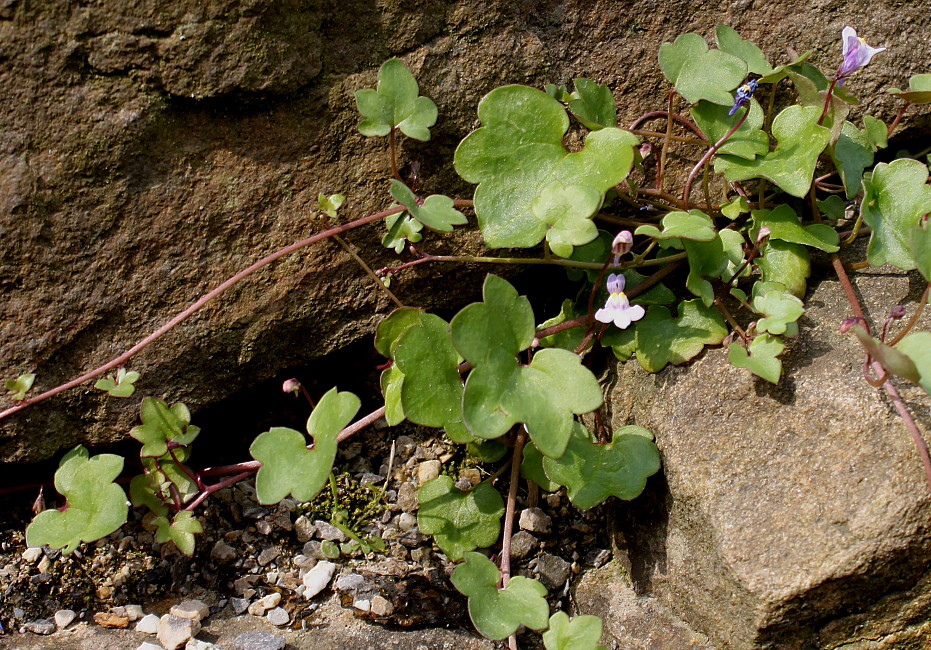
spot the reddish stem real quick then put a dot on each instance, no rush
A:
(511, 506)
(704, 159)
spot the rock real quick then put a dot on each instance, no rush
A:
(223, 553)
(197, 644)
(32, 554)
(472, 475)
(313, 549)
(193, 609)
(64, 618)
(535, 520)
(133, 612)
(239, 605)
(148, 624)
(407, 521)
(111, 620)
(258, 640)
(379, 606)
(801, 502)
(318, 578)
(268, 555)
(407, 497)
(145, 645)
(350, 582)
(304, 529)
(328, 532)
(553, 570)
(428, 470)
(522, 543)
(42, 627)
(262, 605)
(278, 616)
(175, 631)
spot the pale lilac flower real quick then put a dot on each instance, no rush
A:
(618, 309)
(621, 245)
(856, 54)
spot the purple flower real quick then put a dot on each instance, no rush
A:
(744, 93)
(618, 309)
(856, 54)
(623, 242)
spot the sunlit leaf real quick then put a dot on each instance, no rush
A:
(778, 306)
(579, 633)
(436, 211)
(395, 103)
(786, 263)
(699, 73)
(662, 339)
(730, 41)
(852, 153)
(917, 347)
(595, 106)
(161, 424)
(784, 225)
(17, 388)
(896, 197)
(748, 141)
(567, 213)
(180, 530)
(120, 385)
(919, 90)
(459, 521)
(401, 229)
(760, 357)
(694, 225)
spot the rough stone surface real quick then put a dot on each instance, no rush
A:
(150, 151)
(318, 578)
(258, 640)
(148, 624)
(175, 631)
(194, 609)
(782, 509)
(64, 618)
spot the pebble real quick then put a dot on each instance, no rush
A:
(428, 470)
(553, 570)
(380, 606)
(223, 553)
(64, 618)
(262, 605)
(197, 644)
(111, 620)
(278, 616)
(407, 521)
(407, 497)
(195, 610)
(472, 475)
(350, 582)
(145, 645)
(267, 555)
(303, 562)
(258, 640)
(304, 529)
(133, 612)
(148, 624)
(175, 631)
(535, 520)
(239, 605)
(329, 533)
(522, 543)
(313, 549)
(32, 554)
(318, 578)
(43, 626)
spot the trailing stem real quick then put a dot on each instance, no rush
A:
(704, 159)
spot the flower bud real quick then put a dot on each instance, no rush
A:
(291, 386)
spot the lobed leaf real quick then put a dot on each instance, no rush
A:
(791, 165)
(578, 633)
(395, 103)
(694, 225)
(778, 306)
(120, 385)
(748, 141)
(497, 613)
(567, 213)
(917, 347)
(730, 41)
(784, 225)
(786, 263)
(180, 530)
(759, 358)
(593, 472)
(288, 467)
(95, 505)
(162, 424)
(519, 149)
(594, 105)
(436, 211)
(17, 388)
(896, 196)
(699, 73)
(459, 521)
(919, 90)
(662, 339)
(401, 229)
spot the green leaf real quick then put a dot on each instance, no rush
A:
(531, 468)
(833, 207)
(662, 339)
(161, 424)
(95, 506)
(288, 467)
(791, 165)
(784, 225)
(786, 263)
(694, 225)
(896, 197)
(401, 229)
(706, 260)
(595, 106)
(17, 388)
(459, 521)
(499, 391)
(567, 213)
(566, 339)
(579, 633)
(329, 205)
(748, 141)
(760, 359)
(519, 150)
(488, 451)
(180, 530)
(431, 393)
(735, 208)
(435, 212)
(852, 153)
(699, 73)
(593, 472)
(876, 132)
(497, 613)
(896, 361)
(917, 347)
(921, 248)
(389, 330)
(919, 91)
(729, 41)
(119, 386)
(778, 306)
(391, 381)
(395, 103)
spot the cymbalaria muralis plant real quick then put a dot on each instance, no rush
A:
(774, 181)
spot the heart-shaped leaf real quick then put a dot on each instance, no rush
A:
(694, 225)
(662, 339)
(784, 225)
(567, 213)
(699, 73)
(435, 212)
(459, 521)
(497, 613)
(120, 385)
(595, 106)
(759, 358)
(579, 633)
(95, 506)
(791, 165)
(180, 530)
(395, 103)
(896, 197)
(161, 424)
(852, 153)
(786, 263)
(519, 150)
(288, 467)
(593, 472)
(748, 141)
(778, 306)
(729, 41)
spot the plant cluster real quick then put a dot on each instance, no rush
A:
(776, 178)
